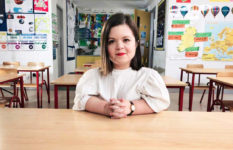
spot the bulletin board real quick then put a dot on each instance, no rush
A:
(24, 25)
(200, 30)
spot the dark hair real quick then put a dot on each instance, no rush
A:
(115, 20)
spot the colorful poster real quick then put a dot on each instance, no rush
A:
(41, 6)
(13, 42)
(42, 24)
(3, 41)
(220, 45)
(183, 1)
(19, 6)
(20, 24)
(27, 42)
(40, 42)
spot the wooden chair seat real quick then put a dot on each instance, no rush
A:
(228, 105)
(5, 85)
(27, 85)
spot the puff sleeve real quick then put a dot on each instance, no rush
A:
(86, 87)
(153, 90)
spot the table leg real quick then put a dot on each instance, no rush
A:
(209, 96)
(22, 92)
(68, 97)
(48, 85)
(181, 96)
(181, 75)
(37, 89)
(55, 96)
(191, 92)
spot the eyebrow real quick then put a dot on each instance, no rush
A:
(122, 37)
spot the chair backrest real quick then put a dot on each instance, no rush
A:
(14, 63)
(195, 66)
(225, 74)
(39, 64)
(7, 71)
(228, 66)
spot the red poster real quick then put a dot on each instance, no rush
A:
(183, 1)
(41, 6)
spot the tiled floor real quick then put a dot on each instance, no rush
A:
(32, 103)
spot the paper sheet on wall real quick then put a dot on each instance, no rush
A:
(42, 24)
(19, 6)
(20, 24)
(41, 6)
(3, 41)
(200, 31)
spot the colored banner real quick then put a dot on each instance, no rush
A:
(183, 1)
(175, 33)
(178, 26)
(41, 6)
(192, 49)
(200, 39)
(206, 34)
(191, 54)
(180, 21)
(174, 37)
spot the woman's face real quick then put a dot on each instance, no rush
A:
(121, 46)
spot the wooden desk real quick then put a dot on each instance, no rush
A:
(81, 70)
(67, 81)
(59, 129)
(14, 78)
(225, 81)
(173, 83)
(194, 71)
(35, 69)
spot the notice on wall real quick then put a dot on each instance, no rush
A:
(20, 24)
(201, 30)
(40, 42)
(3, 41)
(19, 6)
(42, 24)
(41, 6)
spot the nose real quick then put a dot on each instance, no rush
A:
(119, 45)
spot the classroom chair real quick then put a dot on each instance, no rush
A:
(6, 63)
(198, 86)
(8, 101)
(225, 104)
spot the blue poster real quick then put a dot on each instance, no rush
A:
(2, 16)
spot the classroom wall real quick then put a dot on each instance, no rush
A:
(203, 25)
(36, 56)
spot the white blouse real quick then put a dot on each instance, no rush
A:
(128, 84)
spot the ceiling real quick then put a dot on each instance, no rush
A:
(112, 4)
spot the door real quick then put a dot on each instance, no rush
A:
(60, 51)
(142, 20)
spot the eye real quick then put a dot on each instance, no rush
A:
(110, 42)
(126, 40)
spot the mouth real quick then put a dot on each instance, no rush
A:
(120, 54)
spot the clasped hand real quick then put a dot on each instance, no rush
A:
(117, 108)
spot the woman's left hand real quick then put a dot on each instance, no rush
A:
(120, 107)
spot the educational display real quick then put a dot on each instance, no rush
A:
(19, 6)
(89, 32)
(24, 26)
(41, 6)
(200, 31)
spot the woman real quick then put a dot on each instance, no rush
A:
(121, 87)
